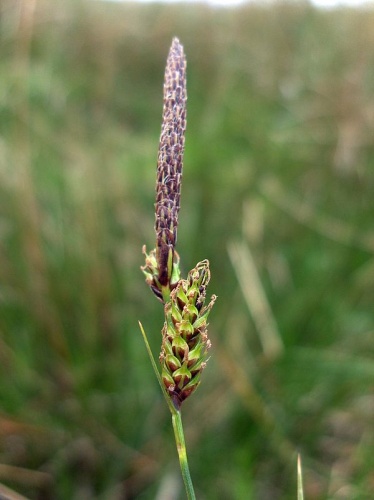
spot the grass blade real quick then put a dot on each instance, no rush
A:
(300, 490)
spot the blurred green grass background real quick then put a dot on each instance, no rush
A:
(277, 194)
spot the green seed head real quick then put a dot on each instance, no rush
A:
(185, 339)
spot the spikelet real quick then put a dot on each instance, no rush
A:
(185, 340)
(162, 264)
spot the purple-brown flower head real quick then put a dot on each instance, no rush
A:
(170, 160)
(163, 273)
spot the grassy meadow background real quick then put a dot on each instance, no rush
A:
(278, 193)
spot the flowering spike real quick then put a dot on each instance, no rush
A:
(184, 335)
(162, 265)
(187, 335)
(185, 341)
(170, 156)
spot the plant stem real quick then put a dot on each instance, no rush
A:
(300, 491)
(177, 425)
(182, 454)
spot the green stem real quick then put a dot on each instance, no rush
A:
(300, 491)
(182, 454)
(177, 425)
(154, 366)
(165, 290)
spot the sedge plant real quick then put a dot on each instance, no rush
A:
(185, 341)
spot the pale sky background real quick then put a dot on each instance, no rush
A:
(228, 3)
